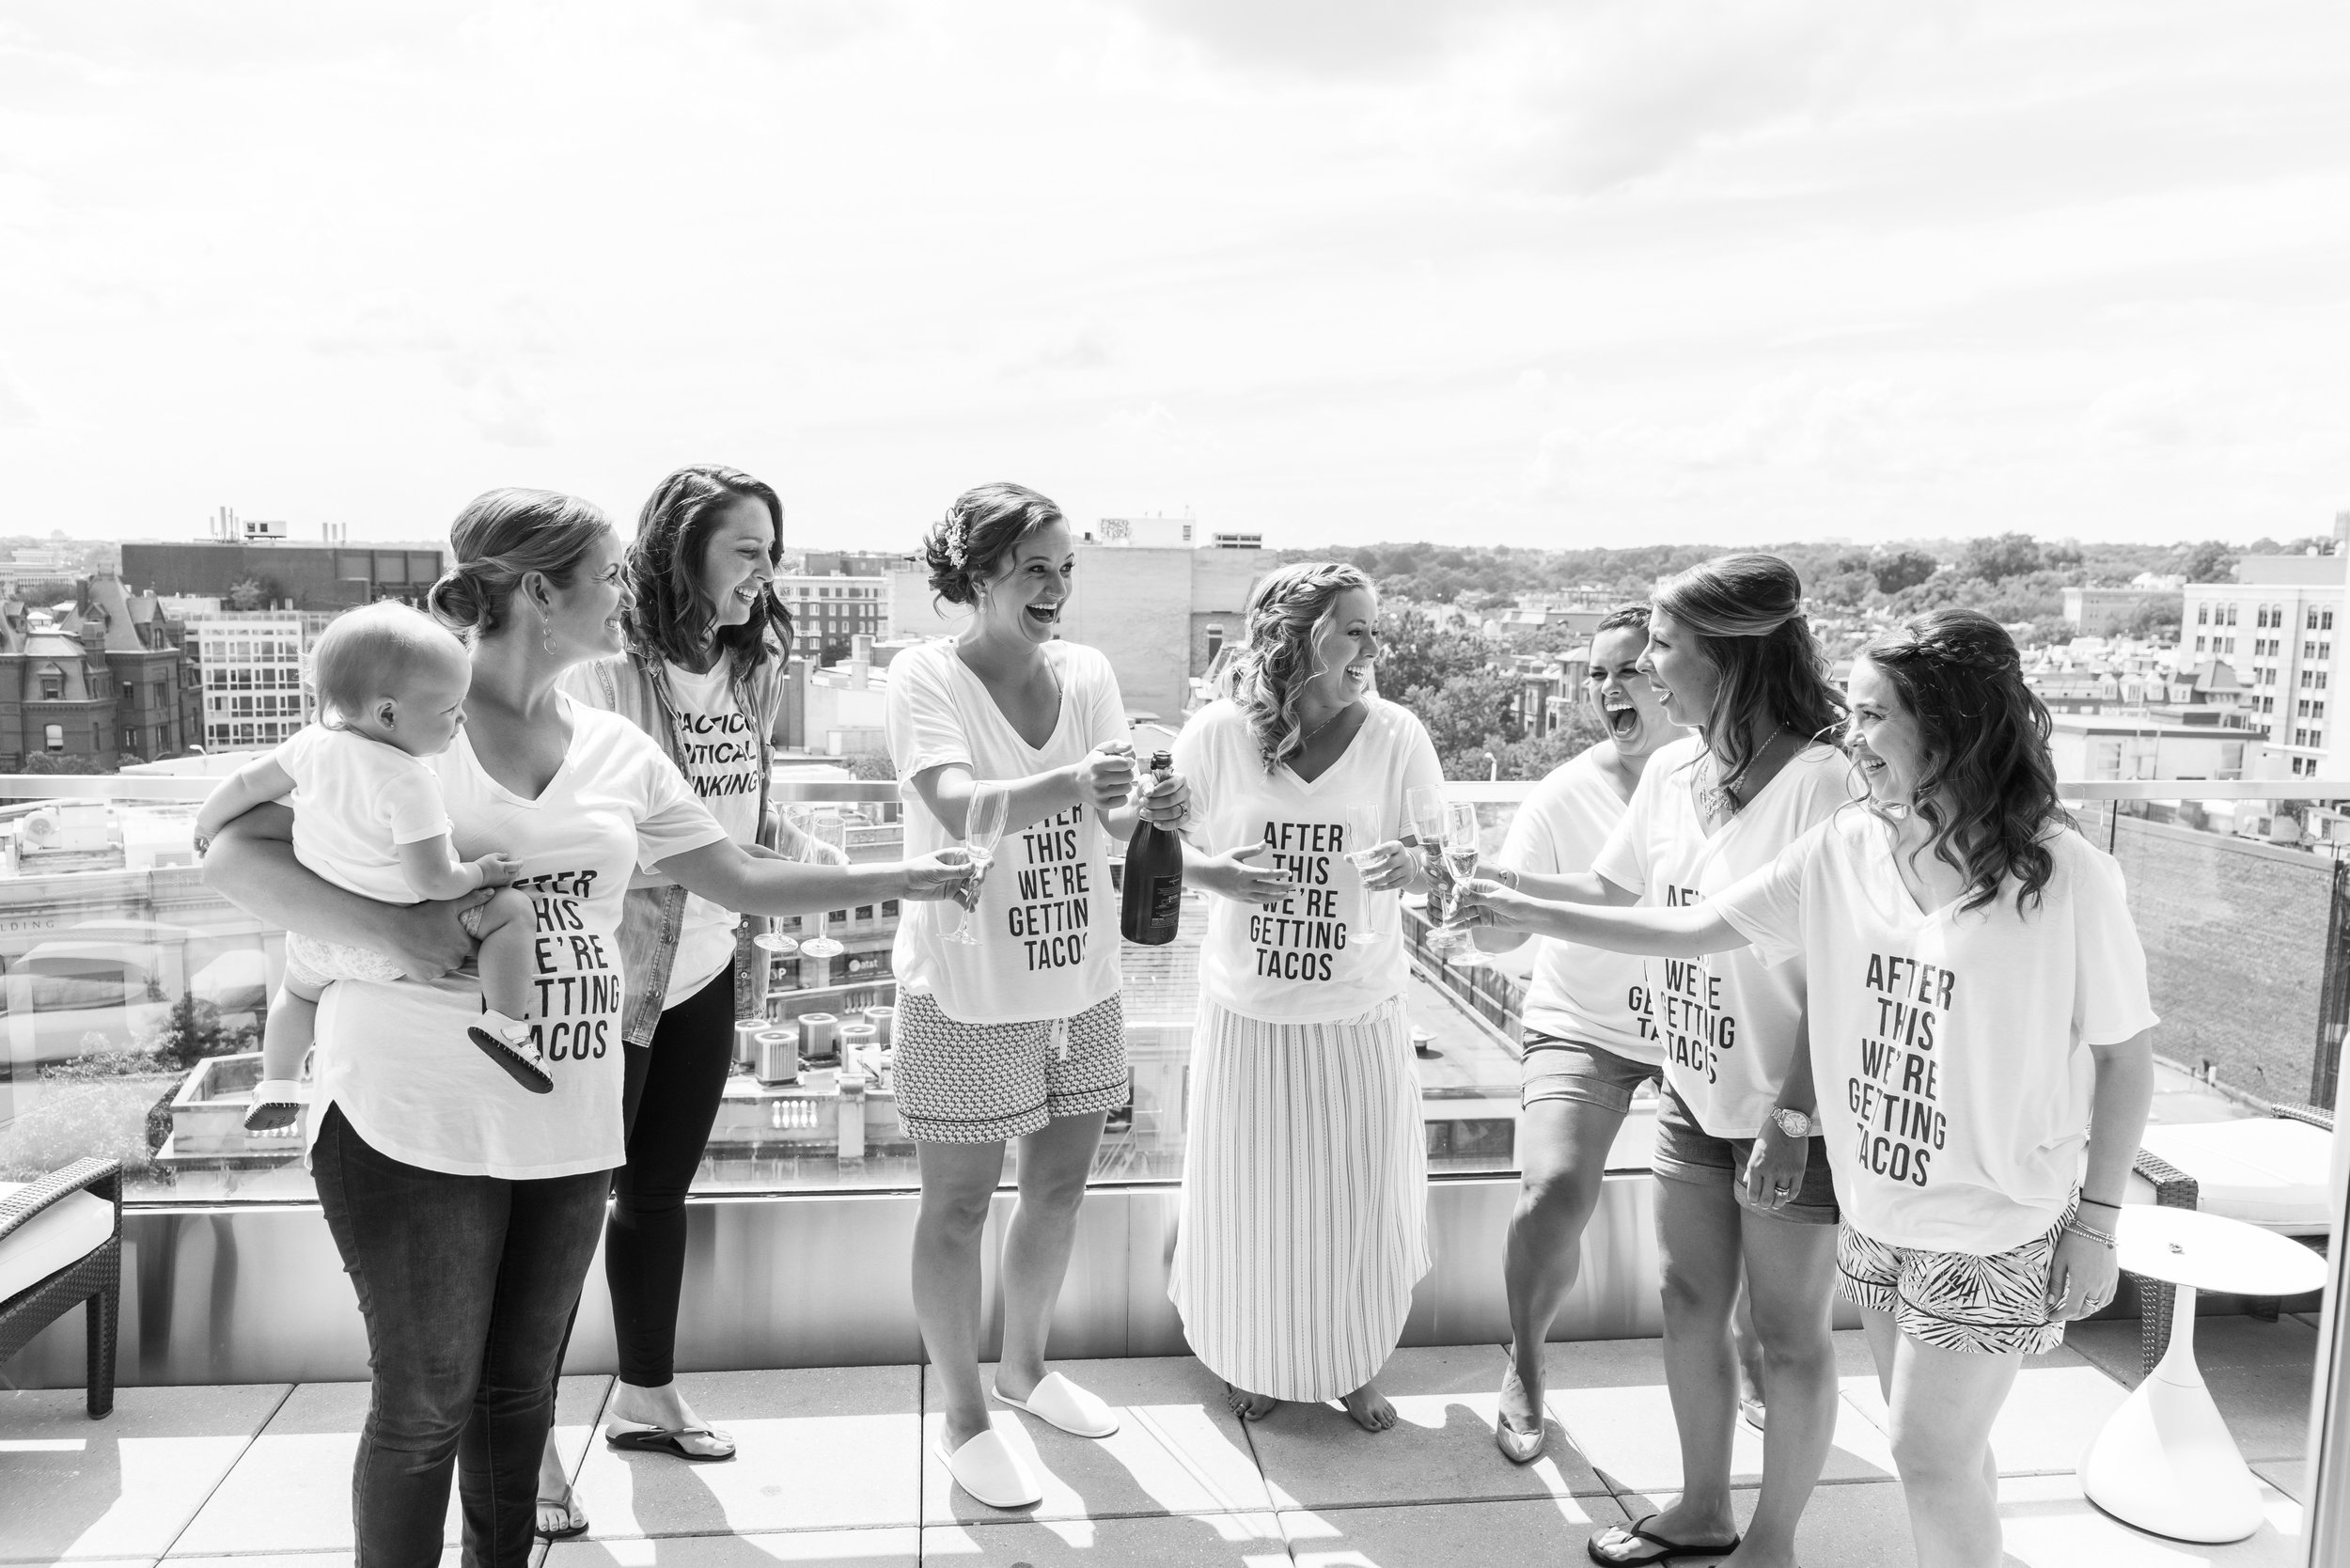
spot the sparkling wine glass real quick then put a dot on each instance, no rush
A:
(827, 832)
(1423, 814)
(1363, 853)
(1460, 864)
(982, 825)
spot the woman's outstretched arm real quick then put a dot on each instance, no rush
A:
(252, 865)
(1689, 932)
(728, 875)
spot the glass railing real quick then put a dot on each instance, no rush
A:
(131, 997)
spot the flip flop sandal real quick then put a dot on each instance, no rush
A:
(671, 1441)
(572, 1531)
(1667, 1551)
(276, 1104)
(520, 1067)
(1059, 1403)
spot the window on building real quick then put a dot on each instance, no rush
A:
(2325, 650)
(2317, 737)
(2199, 644)
(889, 909)
(2320, 680)
(2231, 615)
(52, 684)
(2324, 621)
(129, 740)
(2317, 708)
(2202, 615)
(53, 736)
(2309, 620)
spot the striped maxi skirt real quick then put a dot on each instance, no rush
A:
(1304, 1203)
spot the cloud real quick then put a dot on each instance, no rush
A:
(2152, 414)
(16, 410)
(1330, 38)
(1860, 428)
(1085, 346)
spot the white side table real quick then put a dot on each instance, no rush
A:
(2164, 1461)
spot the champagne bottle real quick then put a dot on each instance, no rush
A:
(1151, 904)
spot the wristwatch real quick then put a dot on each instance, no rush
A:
(1795, 1123)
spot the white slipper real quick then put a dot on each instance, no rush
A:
(1060, 1403)
(988, 1469)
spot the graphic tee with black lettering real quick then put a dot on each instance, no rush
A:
(1729, 1024)
(395, 1056)
(1303, 958)
(1581, 994)
(1950, 1048)
(1047, 919)
(720, 744)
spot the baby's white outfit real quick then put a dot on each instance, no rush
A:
(356, 801)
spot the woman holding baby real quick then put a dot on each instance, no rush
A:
(466, 1213)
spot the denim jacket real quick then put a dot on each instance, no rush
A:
(653, 915)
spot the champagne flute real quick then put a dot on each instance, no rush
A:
(982, 825)
(1362, 833)
(828, 831)
(1424, 816)
(1460, 864)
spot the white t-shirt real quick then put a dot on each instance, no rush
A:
(1577, 992)
(356, 801)
(1302, 959)
(1047, 921)
(395, 1056)
(1950, 1048)
(720, 744)
(1730, 1024)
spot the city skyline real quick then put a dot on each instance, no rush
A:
(1497, 273)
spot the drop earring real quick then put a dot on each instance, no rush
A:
(546, 630)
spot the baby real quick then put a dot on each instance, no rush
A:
(368, 817)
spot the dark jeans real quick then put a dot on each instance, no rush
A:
(673, 1090)
(466, 1283)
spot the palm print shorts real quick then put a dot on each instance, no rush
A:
(1989, 1305)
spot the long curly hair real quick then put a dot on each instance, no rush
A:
(1746, 613)
(673, 616)
(1989, 789)
(1269, 672)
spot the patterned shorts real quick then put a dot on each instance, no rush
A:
(313, 963)
(987, 1083)
(1989, 1306)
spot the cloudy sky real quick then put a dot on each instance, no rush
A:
(1565, 271)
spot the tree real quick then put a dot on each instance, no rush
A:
(247, 595)
(1897, 569)
(2159, 617)
(870, 765)
(2000, 556)
(2208, 562)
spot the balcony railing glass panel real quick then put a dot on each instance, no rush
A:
(131, 997)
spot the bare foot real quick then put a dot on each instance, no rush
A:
(1370, 1408)
(1521, 1406)
(1248, 1406)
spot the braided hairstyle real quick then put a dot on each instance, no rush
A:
(1989, 790)
(986, 524)
(501, 536)
(672, 616)
(1268, 675)
(1746, 613)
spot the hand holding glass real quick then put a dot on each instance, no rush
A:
(982, 825)
(1460, 864)
(1365, 854)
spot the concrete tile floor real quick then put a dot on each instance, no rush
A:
(832, 1470)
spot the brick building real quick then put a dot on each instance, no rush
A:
(304, 576)
(103, 681)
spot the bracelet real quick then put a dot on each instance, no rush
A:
(1507, 876)
(2105, 1238)
(2103, 1204)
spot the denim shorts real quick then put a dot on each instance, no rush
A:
(1687, 1153)
(1556, 1069)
